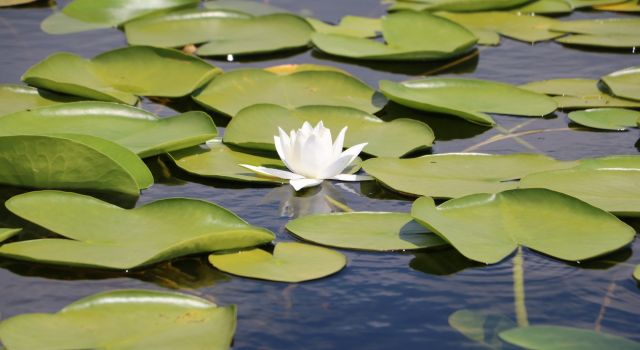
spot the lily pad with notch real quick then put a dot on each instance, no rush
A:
(125, 319)
(123, 74)
(290, 262)
(254, 127)
(140, 131)
(482, 226)
(469, 99)
(376, 231)
(103, 235)
(408, 36)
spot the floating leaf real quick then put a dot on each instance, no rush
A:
(577, 93)
(609, 32)
(624, 83)
(74, 162)
(119, 75)
(458, 174)
(15, 98)
(60, 23)
(614, 41)
(606, 118)
(482, 226)
(222, 32)
(378, 231)
(589, 3)
(520, 27)
(138, 130)
(125, 319)
(218, 160)
(290, 262)
(636, 273)
(564, 338)
(628, 6)
(6, 233)
(356, 26)
(254, 8)
(611, 188)
(235, 90)
(555, 7)
(480, 327)
(469, 99)
(7, 3)
(255, 126)
(461, 5)
(408, 36)
(106, 236)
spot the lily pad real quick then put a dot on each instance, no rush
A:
(7, 3)
(221, 32)
(628, 6)
(624, 83)
(235, 90)
(60, 23)
(217, 160)
(469, 99)
(636, 273)
(481, 327)
(590, 3)
(125, 319)
(461, 5)
(408, 36)
(577, 93)
(355, 26)
(565, 338)
(555, 7)
(606, 118)
(255, 126)
(609, 32)
(458, 174)
(614, 189)
(613, 41)
(119, 75)
(254, 8)
(138, 130)
(519, 27)
(482, 226)
(15, 98)
(290, 262)
(377, 231)
(6, 233)
(106, 236)
(74, 162)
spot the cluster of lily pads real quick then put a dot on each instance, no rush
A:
(72, 134)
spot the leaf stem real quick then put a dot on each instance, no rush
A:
(518, 289)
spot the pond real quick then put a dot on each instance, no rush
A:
(380, 300)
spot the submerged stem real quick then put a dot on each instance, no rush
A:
(345, 208)
(518, 289)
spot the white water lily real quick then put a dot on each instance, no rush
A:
(311, 156)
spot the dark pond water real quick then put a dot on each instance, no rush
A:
(380, 301)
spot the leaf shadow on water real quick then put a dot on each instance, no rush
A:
(259, 57)
(466, 63)
(444, 127)
(186, 104)
(375, 190)
(442, 262)
(184, 273)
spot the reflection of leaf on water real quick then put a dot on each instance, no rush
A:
(481, 327)
(186, 273)
(318, 200)
(441, 262)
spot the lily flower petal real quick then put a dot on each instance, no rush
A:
(281, 174)
(337, 146)
(303, 183)
(346, 158)
(352, 177)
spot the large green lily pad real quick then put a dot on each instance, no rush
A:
(355, 26)
(458, 174)
(74, 162)
(106, 236)
(457, 5)
(290, 262)
(119, 75)
(125, 319)
(138, 130)
(618, 119)
(482, 226)
(15, 98)
(519, 27)
(555, 7)
(565, 338)
(255, 126)
(577, 93)
(235, 90)
(377, 231)
(217, 160)
(608, 32)
(624, 83)
(222, 32)
(255, 8)
(611, 188)
(469, 99)
(83, 15)
(408, 36)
